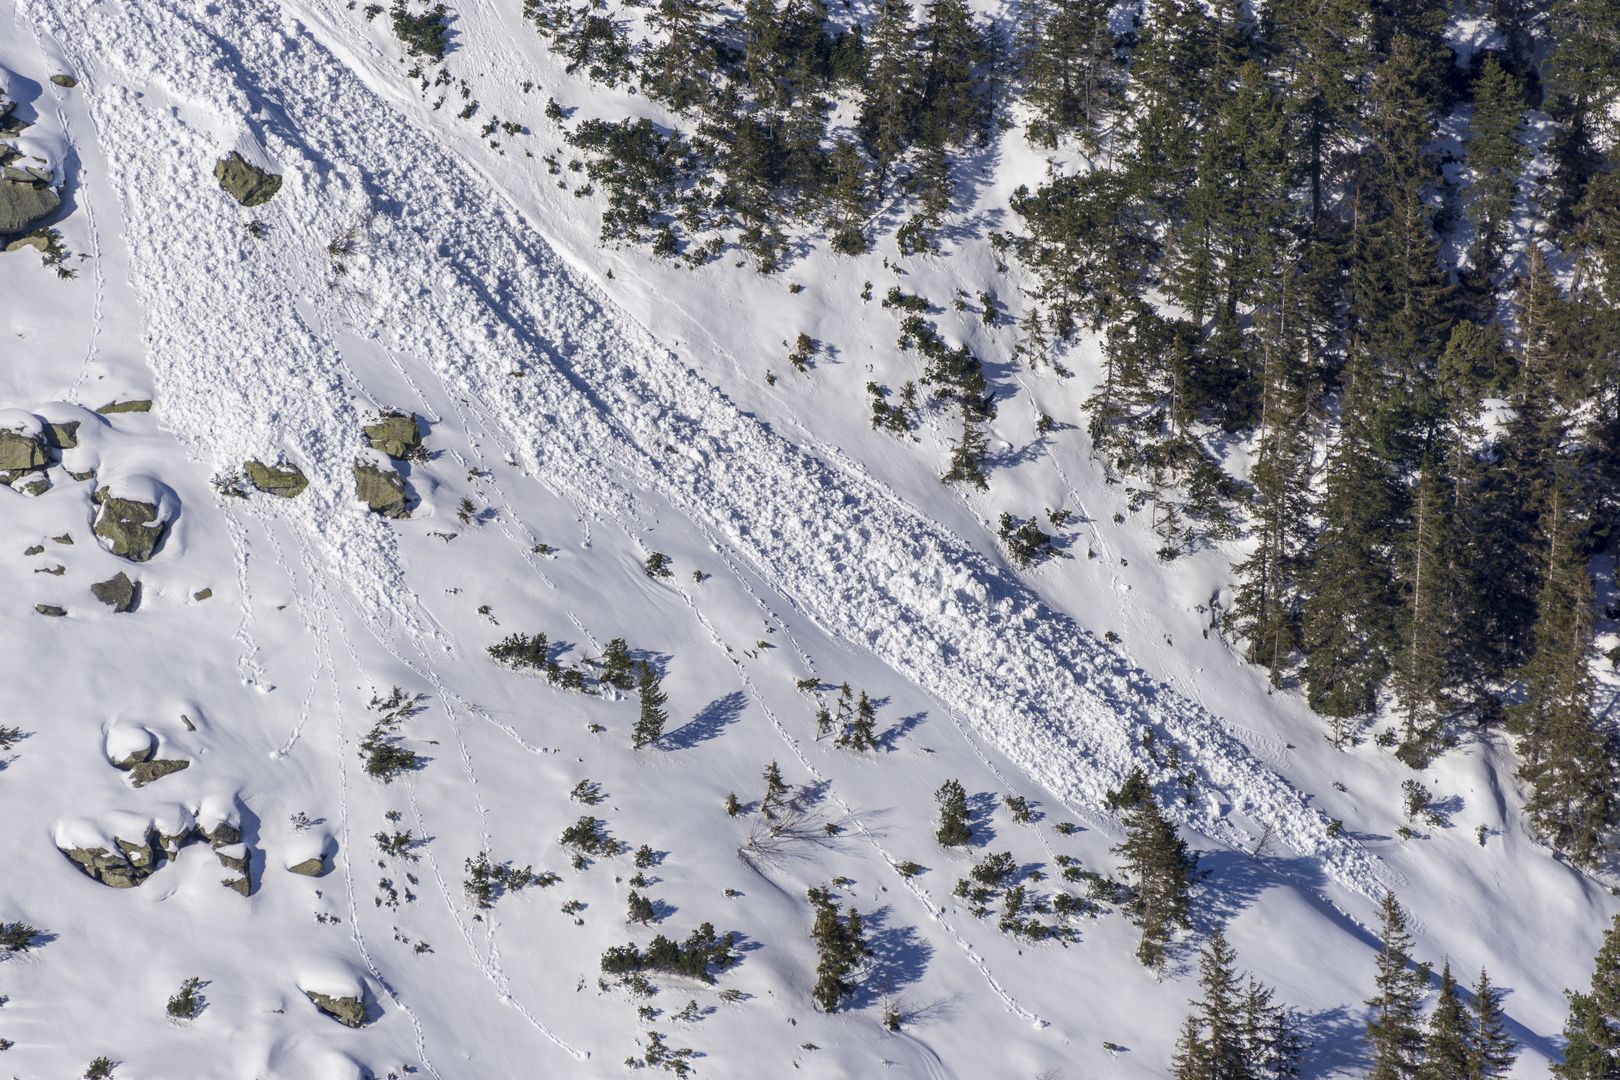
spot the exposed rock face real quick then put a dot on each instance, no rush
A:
(288, 481)
(348, 1011)
(145, 772)
(135, 405)
(131, 529)
(395, 434)
(63, 436)
(247, 183)
(25, 199)
(50, 609)
(117, 592)
(314, 866)
(20, 453)
(380, 489)
(124, 868)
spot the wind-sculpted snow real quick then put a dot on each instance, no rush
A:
(245, 346)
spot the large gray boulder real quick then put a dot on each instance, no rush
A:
(117, 592)
(396, 434)
(130, 528)
(348, 1011)
(381, 489)
(247, 183)
(21, 452)
(287, 481)
(24, 200)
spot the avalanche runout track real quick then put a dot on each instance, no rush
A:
(246, 363)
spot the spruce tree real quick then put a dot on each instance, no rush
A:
(775, 790)
(1491, 1050)
(953, 830)
(1495, 159)
(1566, 754)
(1394, 1031)
(888, 100)
(1160, 869)
(1446, 1046)
(1592, 1031)
(649, 726)
(971, 449)
(1070, 71)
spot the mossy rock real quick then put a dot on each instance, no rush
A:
(396, 434)
(34, 549)
(20, 453)
(247, 183)
(34, 488)
(202, 594)
(24, 199)
(382, 490)
(314, 866)
(64, 80)
(287, 481)
(51, 610)
(39, 243)
(348, 1011)
(124, 868)
(117, 592)
(222, 835)
(233, 857)
(135, 405)
(64, 436)
(146, 772)
(131, 528)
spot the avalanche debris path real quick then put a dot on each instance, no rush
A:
(604, 410)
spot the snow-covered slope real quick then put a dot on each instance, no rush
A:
(609, 408)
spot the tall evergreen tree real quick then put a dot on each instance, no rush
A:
(1491, 1050)
(1592, 1031)
(649, 726)
(1394, 1031)
(888, 101)
(1446, 1047)
(1160, 869)
(1070, 68)
(1495, 159)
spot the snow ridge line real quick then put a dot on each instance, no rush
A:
(483, 294)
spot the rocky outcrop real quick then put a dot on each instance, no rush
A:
(396, 434)
(348, 1011)
(314, 866)
(381, 489)
(124, 866)
(131, 529)
(287, 481)
(50, 609)
(133, 405)
(20, 453)
(25, 199)
(117, 592)
(247, 183)
(145, 772)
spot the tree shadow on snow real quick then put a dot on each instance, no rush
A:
(899, 958)
(710, 722)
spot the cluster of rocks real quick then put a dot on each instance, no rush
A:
(393, 436)
(130, 861)
(28, 183)
(28, 447)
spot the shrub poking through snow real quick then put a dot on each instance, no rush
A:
(698, 957)
(384, 756)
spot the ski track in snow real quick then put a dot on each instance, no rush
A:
(240, 371)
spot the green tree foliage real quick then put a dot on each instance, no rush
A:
(1395, 1039)
(649, 727)
(1159, 867)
